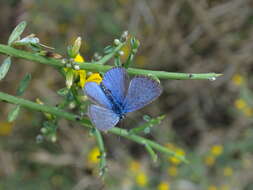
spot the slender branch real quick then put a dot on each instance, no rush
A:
(102, 160)
(99, 67)
(86, 123)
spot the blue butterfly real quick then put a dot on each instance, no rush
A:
(116, 96)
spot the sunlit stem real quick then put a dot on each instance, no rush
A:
(86, 122)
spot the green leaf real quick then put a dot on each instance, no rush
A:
(23, 84)
(15, 35)
(63, 92)
(108, 49)
(4, 68)
(13, 114)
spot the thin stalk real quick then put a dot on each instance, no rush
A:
(102, 158)
(99, 67)
(85, 122)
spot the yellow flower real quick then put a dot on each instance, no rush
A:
(173, 171)
(79, 59)
(216, 150)
(163, 186)
(209, 160)
(248, 111)
(83, 78)
(94, 77)
(224, 187)
(141, 179)
(174, 159)
(228, 171)
(5, 128)
(134, 166)
(240, 104)
(93, 156)
(212, 187)
(238, 79)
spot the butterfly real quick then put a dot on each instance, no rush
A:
(116, 96)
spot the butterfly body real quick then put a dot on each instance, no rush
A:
(116, 96)
(117, 107)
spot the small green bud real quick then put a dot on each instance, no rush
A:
(72, 105)
(43, 130)
(69, 78)
(76, 67)
(76, 47)
(124, 36)
(121, 53)
(134, 43)
(54, 138)
(116, 42)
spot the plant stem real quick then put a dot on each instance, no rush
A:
(99, 67)
(100, 142)
(85, 122)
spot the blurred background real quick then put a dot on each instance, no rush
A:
(208, 121)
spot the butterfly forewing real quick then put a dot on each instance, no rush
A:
(102, 118)
(116, 81)
(142, 91)
(97, 95)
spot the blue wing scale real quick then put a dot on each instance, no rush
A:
(97, 95)
(142, 91)
(116, 81)
(102, 118)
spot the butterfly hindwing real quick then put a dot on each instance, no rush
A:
(102, 118)
(142, 91)
(116, 81)
(97, 95)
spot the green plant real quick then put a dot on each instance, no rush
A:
(74, 71)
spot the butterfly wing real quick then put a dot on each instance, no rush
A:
(97, 95)
(142, 91)
(102, 118)
(116, 81)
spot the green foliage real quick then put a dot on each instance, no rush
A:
(23, 84)
(4, 68)
(16, 33)
(13, 114)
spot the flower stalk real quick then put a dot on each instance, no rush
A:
(99, 66)
(86, 123)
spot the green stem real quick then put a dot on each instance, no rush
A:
(86, 123)
(43, 108)
(99, 67)
(100, 142)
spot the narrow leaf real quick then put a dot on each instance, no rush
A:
(15, 35)
(13, 113)
(23, 84)
(63, 91)
(4, 68)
